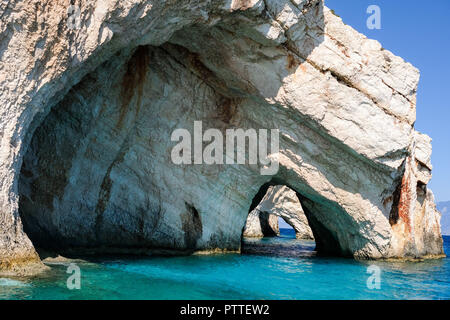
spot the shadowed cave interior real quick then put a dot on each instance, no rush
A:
(97, 177)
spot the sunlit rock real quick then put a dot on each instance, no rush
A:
(279, 201)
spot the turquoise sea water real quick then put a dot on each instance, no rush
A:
(280, 268)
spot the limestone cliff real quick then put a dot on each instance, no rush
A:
(87, 110)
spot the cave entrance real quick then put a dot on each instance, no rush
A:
(308, 217)
(279, 209)
(97, 174)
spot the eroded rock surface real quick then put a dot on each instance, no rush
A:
(279, 201)
(261, 224)
(89, 112)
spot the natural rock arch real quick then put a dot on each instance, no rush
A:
(348, 145)
(278, 202)
(330, 231)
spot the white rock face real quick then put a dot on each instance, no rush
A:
(279, 201)
(89, 112)
(261, 224)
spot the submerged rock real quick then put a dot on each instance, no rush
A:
(87, 112)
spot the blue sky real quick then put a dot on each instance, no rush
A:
(419, 32)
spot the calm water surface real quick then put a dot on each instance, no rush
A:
(280, 268)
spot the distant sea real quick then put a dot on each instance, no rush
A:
(272, 268)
